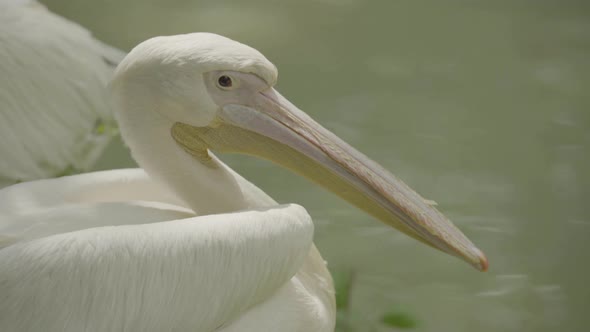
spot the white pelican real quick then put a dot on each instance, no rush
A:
(55, 113)
(191, 245)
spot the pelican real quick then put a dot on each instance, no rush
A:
(55, 114)
(186, 243)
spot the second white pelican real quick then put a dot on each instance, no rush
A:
(55, 113)
(198, 248)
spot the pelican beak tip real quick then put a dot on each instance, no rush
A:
(481, 263)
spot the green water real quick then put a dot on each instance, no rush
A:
(482, 106)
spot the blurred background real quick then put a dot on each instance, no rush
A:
(482, 106)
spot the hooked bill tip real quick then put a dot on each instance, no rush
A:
(483, 262)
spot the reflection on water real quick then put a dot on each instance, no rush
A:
(480, 105)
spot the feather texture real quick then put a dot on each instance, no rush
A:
(135, 261)
(55, 114)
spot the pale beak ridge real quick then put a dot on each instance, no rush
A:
(269, 126)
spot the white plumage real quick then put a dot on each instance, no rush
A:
(191, 245)
(160, 269)
(55, 114)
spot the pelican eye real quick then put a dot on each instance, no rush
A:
(224, 81)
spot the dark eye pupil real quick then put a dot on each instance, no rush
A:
(224, 81)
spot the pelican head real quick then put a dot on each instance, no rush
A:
(215, 94)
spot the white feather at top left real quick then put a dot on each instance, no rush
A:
(55, 113)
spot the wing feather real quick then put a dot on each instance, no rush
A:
(79, 260)
(55, 113)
